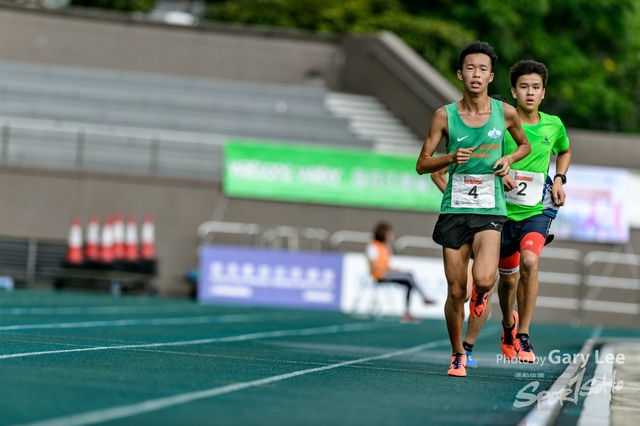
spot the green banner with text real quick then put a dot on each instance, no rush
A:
(327, 176)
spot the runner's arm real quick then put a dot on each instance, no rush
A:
(512, 123)
(427, 163)
(562, 166)
(440, 179)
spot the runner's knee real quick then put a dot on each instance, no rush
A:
(485, 283)
(529, 263)
(509, 281)
(457, 292)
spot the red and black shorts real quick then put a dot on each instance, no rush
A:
(525, 235)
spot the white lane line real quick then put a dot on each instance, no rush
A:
(596, 410)
(597, 331)
(91, 310)
(244, 358)
(146, 321)
(124, 411)
(547, 410)
(243, 337)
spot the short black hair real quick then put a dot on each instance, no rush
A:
(526, 67)
(478, 47)
(500, 98)
(380, 231)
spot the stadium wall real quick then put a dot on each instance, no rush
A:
(385, 67)
(39, 203)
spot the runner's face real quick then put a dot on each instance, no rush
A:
(529, 92)
(476, 73)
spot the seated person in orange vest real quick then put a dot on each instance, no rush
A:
(379, 253)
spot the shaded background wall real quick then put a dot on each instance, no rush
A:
(115, 41)
(379, 65)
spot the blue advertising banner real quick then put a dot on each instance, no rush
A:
(257, 276)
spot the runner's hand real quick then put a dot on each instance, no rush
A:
(503, 165)
(462, 155)
(558, 193)
(509, 183)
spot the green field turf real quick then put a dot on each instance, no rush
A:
(79, 358)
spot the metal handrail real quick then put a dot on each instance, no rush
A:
(562, 253)
(590, 258)
(265, 236)
(291, 234)
(215, 227)
(576, 278)
(340, 237)
(91, 129)
(415, 241)
(611, 257)
(316, 234)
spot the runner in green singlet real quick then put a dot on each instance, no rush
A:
(473, 208)
(529, 212)
(474, 324)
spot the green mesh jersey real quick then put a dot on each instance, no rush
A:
(546, 137)
(472, 187)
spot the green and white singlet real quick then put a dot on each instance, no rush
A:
(546, 137)
(473, 188)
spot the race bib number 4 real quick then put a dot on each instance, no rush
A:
(473, 191)
(528, 191)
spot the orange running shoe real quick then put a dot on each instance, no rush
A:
(524, 348)
(507, 342)
(458, 365)
(477, 303)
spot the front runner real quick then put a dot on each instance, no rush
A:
(474, 323)
(473, 207)
(523, 235)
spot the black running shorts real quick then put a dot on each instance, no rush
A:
(455, 230)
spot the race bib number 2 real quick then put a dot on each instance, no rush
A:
(473, 191)
(529, 189)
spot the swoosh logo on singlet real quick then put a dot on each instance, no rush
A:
(462, 138)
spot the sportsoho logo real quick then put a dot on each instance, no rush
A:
(576, 388)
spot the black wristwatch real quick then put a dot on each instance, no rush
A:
(563, 177)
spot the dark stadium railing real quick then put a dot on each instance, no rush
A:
(577, 282)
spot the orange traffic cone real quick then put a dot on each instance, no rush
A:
(106, 249)
(92, 247)
(74, 242)
(118, 237)
(148, 238)
(131, 240)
